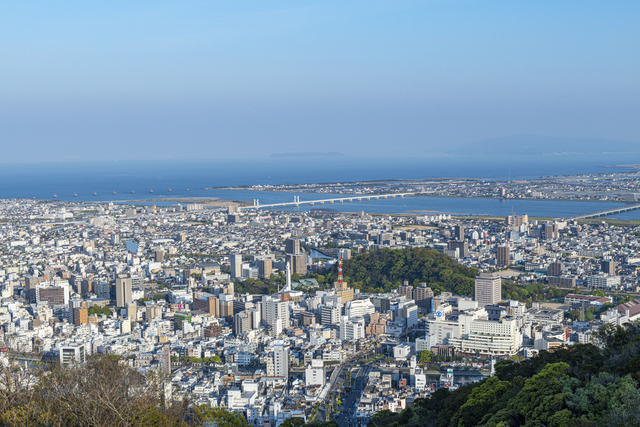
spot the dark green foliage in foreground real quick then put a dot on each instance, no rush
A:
(385, 269)
(583, 385)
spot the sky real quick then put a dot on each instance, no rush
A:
(207, 79)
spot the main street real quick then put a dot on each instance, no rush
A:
(345, 418)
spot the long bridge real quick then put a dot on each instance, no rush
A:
(607, 212)
(357, 198)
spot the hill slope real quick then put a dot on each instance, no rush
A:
(385, 269)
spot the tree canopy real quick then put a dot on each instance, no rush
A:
(582, 385)
(383, 270)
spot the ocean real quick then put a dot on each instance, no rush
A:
(189, 178)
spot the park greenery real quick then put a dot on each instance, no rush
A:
(97, 310)
(582, 385)
(386, 269)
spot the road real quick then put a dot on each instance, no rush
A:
(338, 374)
(345, 417)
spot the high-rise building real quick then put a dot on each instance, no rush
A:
(159, 255)
(292, 246)
(422, 296)
(298, 263)
(236, 265)
(241, 323)
(265, 268)
(461, 245)
(555, 269)
(123, 291)
(329, 315)
(502, 256)
(80, 316)
(274, 309)
(206, 302)
(458, 232)
(488, 289)
(351, 329)
(102, 290)
(608, 267)
(280, 361)
(406, 290)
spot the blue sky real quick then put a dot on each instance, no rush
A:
(156, 79)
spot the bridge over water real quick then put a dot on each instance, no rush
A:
(297, 202)
(606, 212)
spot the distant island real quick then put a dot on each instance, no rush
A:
(308, 154)
(549, 145)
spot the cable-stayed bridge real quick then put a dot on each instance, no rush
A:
(356, 198)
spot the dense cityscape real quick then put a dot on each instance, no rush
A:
(278, 315)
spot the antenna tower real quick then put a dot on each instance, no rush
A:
(340, 270)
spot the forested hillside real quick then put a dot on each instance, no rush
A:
(583, 385)
(385, 269)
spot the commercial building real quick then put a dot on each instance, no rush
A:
(488, 289)
(265, 268)
(503, 254)
(123, 291)
(236, 266)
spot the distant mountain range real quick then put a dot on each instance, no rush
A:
(537, 144)
(309, 154)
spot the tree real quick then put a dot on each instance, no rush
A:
(219, 417)
(425, 356)
(293, 422)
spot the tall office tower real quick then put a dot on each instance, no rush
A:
(298, 263)
(241, 323)
(423, 296)
(502, 256)
(488, 289)
(406, 290)
(555, 269)
(292, 246)
(159, 255)
(458, 232)
(102, 290)
(461, 245)
(280, 361)
(274, 309)
(236, 265)
(73, 304)
(329, 315)
(608, 267)
(123, 291)
(341, 288)
(265, 268)
(550, 231)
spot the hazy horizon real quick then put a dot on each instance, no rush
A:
(157, 80)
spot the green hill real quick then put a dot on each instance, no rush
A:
(385, 269)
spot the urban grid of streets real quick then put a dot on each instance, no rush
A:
(182, 288)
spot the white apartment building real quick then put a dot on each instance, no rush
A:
(273, 309)
(351, 329)
(603, 281)
(314, 373)
(359, 308)
(490, 338)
